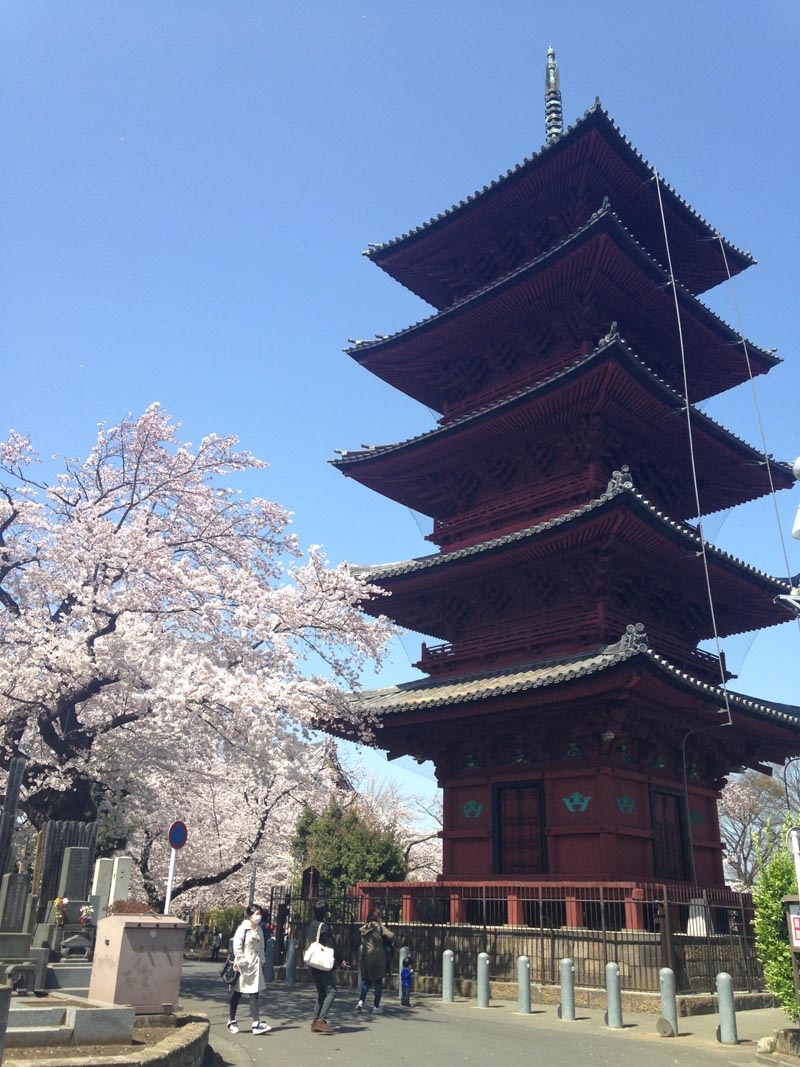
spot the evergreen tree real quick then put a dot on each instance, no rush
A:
(776, 879)
(346, 847)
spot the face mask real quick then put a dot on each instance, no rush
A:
(256, 918)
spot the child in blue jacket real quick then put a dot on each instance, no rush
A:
(406, 981)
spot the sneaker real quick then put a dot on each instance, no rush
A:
(322, 1026)
(261, 1028)
(377, 1011)
(360, 1005)
(233, 1026)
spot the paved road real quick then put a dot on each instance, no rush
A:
(432, 1034)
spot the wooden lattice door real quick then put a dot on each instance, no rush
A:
(519, 843)
(669, 838)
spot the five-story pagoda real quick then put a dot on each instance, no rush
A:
(576, 729)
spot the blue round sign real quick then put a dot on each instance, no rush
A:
(178, 834)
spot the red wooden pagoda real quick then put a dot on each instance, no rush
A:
(576, 729)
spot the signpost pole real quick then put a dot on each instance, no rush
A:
(177, 839)
(170, 879)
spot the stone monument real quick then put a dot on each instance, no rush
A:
(8, 819)
(101, 886)
(53, 842)
(120, 879)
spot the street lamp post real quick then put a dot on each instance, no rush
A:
(793, 759)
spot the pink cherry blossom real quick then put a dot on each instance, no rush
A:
(167, 649)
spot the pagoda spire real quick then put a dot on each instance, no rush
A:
(554, 119)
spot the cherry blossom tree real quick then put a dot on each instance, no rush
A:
(166, 647)
(751, 811)
(415, 820)
(240, 829)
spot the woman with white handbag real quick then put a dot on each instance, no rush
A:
(323, 979)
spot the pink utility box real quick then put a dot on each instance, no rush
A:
(137, 961)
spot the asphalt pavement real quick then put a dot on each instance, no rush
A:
(433, 1033)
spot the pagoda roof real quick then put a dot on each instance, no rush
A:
(747, 594)
(434, 694)
(730, 470)
(592, 156)
(434, 360)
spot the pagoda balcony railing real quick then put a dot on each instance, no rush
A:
(564, 630)
(528, 508)
(508, 643)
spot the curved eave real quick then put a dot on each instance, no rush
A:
(436, 695)
(409, 358)
(407, 578)
(401, 471)
(700, 267)
(782, 714)
(433, 694)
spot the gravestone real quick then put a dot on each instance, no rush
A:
(121, 879)
(52, 842)
(101, 887)
(31, 911)
(95, 915)
(13, 900)
(74, 879)
(8, 820)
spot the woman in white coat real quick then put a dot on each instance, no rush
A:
(248, 959)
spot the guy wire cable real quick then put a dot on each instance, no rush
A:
(757, 406)
(674, 284)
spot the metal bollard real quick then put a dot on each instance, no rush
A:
(726, 1031)
(291, 962)
(448, 982)
(667, 1025)
(404, 951)
(483, 979)
(524, 985)
(566, 1009)
(614, 1011)
(269, 960)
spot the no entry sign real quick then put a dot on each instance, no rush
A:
(178, 834)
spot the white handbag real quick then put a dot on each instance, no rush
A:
(318, 956)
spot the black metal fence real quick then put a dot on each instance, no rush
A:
(696, 932)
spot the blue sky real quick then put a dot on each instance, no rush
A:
(186, 189)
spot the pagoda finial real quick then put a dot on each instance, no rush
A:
(553, 117)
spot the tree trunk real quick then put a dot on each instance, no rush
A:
(77, 804)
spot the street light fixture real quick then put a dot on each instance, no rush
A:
(790, 600)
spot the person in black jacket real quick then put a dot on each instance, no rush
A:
(324, 980)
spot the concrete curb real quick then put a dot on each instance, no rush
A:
(782, 1049)
(182, 1046)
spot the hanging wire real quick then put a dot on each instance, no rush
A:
(703, 553)
(757, 406)
(416, 519)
